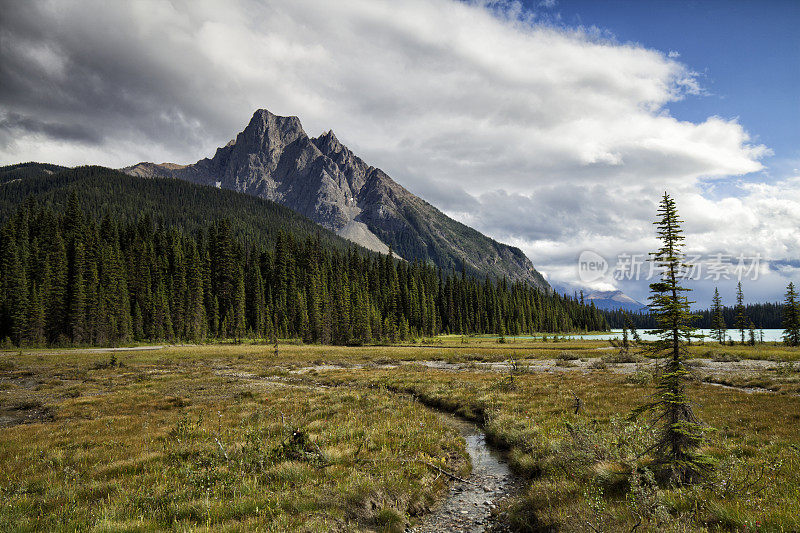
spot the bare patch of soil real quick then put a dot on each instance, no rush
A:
(29, 412)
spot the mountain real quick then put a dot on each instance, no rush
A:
(175, 203)
(607, 300)
(322, 179)
(613, 300)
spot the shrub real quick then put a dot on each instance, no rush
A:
(566, 355)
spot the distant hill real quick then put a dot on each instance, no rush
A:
(605, 300)
(172, 202)
(320, 178)
(608, 300)
(27, 170)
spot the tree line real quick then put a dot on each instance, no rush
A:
(742, 319)
(72, 276)
(767, 315)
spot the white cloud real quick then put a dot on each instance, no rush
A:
(553, 139)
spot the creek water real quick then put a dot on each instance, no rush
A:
(468, 506)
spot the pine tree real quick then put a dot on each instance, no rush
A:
(224, 267)
(17, 297)
(95, 312)
(56, 309)
(255, 296)
(77, 296)
(717, 320)
(138, 322)
(196, 324)
(362, 330)
(676, 448)
(635, 334)
(239, 308)
(214, 322)
(742, 321)
(791, 317)
(36, 318)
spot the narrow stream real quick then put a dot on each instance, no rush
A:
(467, 506)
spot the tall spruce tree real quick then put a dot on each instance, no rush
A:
(77, 296)
(791, 317)
(676, 451)
(239, 308)
(718, 327)
(196, 325)
(742, 322)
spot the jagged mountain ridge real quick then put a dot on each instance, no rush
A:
(321, 178)
(606, 300)
(614, 300)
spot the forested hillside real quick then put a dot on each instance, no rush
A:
(27, 170)
(168, 202)
(92, 256)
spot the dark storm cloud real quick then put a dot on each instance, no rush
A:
(78, 72)
(14, 124)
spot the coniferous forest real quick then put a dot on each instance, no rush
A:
(77, 276)
(763, 315)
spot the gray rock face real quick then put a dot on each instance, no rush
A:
(322, 179)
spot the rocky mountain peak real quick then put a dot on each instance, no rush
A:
(267, 130)
(328, 144)
(321, 178)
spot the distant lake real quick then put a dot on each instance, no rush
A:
(770, 335)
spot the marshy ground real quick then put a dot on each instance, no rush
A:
(316, 438)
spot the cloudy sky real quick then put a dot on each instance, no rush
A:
(550, 125)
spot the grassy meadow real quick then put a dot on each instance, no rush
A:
(230, 437)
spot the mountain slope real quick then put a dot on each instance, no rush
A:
(614, 300)
(322, 179)
(27, 170)
(606, 300)
(175, 203)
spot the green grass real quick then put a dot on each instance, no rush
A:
(156, 446)
(229, 438)
(766, 351)
(580, 468)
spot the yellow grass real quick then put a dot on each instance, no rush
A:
(201, 438)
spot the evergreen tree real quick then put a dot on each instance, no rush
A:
(239, 308)
(138, 323)
(255, 296)
(36, 319)
(742, 322)
(676, 448)
(717, 320)
(17, 298)
(791, 317)
(629, 323)
(77, 296)
(55, 303)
